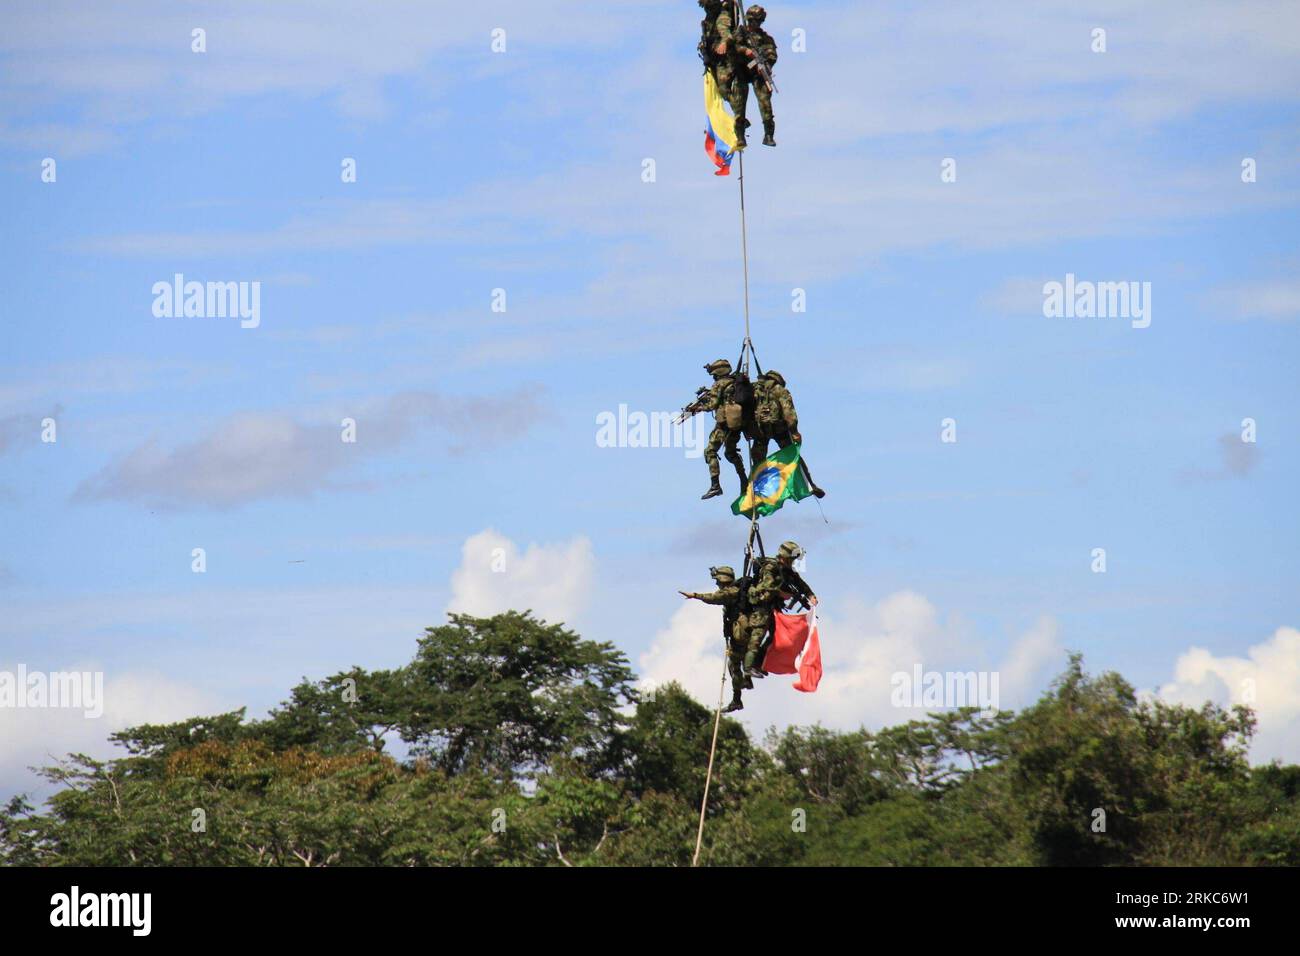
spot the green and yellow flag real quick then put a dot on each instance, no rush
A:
(773, 481)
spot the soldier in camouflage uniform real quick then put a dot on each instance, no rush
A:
(728, 596)
(716, 402)
(756, 40)
(775, 581)
(775, 419)
(714, 62)
(732, 59)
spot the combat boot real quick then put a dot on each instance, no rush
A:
(769, 134)
(734, 706)
(715, 489)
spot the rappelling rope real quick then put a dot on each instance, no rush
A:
(722, 691)
(744, 241)
(747, 345)
(708, 776)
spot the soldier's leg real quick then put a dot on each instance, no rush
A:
(739, 103)
(756, 635)
(735, 667)
(725, 77)
(758, 449)
(716, 438)
(733, 455)
(765, 108)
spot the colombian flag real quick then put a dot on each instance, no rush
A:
(721, 130)
(773, 481)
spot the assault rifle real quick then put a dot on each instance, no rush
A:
(700, 404)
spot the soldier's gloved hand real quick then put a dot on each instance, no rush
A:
(813, 600)
(721, 48)
(685, 595)
(794, 433)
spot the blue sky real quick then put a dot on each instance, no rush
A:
(522, 171)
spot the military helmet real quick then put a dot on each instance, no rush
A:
(755, 14)
(718, 367)
(723, 573)
(775, 376)
(789, 549)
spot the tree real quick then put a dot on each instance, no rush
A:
(530, 748)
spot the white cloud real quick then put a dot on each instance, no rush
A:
(688, 651)
(1018, 296)
(1276, 300)
(253, 456)
(1031, 658)
(33, 737)
(122, 67)
(552, 580)
(1267, 679)
(105, 376)
(862, 648)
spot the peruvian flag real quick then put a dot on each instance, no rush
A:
(793, 634)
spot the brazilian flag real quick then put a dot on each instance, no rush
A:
(773, 481)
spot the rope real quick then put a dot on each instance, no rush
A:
(708, 776)
(744, 244)
(746, 347)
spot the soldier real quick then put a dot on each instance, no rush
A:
(775, 419)
(758, 41)
(716, 401)
(775, 582)
(729, 597)
(715, 63)
(733, 57)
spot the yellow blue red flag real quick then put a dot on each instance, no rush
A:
(720, 135)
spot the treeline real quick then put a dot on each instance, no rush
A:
(529, 746)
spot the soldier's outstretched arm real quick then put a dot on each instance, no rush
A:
(721, 596)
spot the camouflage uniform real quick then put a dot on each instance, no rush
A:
(731, 66)
(760, 41)
(728, 596)
(775, 580)
(751, 632)
(714, 62)
(721, 435)
(776, 420)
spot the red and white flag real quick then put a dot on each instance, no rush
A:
(794, 634)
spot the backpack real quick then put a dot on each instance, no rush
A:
(756, 568)
(738, 400)
(767, 409)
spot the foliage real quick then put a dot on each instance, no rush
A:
(527, 746)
